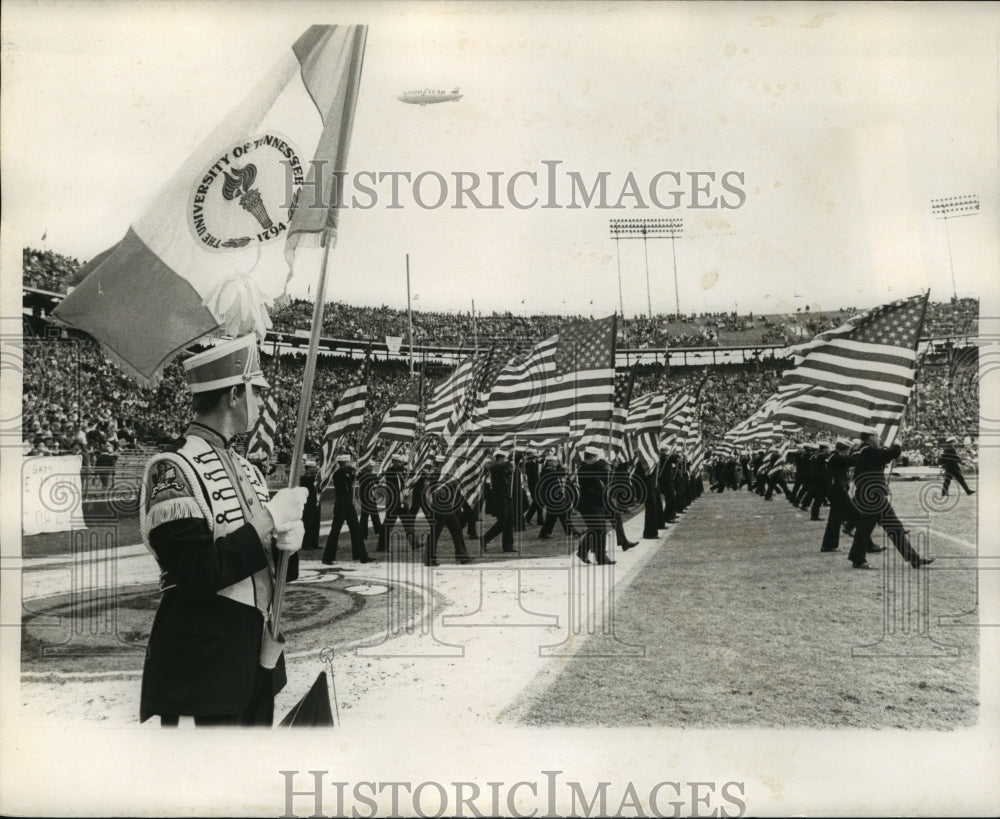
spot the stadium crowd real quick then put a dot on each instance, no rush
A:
(75, 399)
(46, 270)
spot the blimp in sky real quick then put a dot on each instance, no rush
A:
(429, 96)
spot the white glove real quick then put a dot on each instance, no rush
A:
(289, 538)
(287, 506)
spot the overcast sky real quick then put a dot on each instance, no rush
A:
(843, 122)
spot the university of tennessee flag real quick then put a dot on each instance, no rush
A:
(214, 245)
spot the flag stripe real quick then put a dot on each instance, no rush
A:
(112, 305)
(446, 395)
(855, 376)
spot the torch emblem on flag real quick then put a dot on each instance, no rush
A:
(239, 184)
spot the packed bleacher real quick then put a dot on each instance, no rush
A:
(47, 270)
(77, 400)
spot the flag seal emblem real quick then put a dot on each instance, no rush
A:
(242, 198)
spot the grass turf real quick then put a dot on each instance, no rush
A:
(746, 624)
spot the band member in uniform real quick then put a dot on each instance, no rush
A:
(206, 515)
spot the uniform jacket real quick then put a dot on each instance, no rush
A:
(216, 578)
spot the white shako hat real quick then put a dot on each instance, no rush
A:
(232, 362)
(593, 450)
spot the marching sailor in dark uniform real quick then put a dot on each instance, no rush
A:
(593, 506)
(501, 492)
(395, 505)
(343, 479)
(838, 471)
(871, 501)
(951, 463)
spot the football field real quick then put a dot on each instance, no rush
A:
(732, 618)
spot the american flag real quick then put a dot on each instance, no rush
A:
(483, 375)
(566, 380)
(609, 435)
(676, 417)
(757, 427)
(423, 452)
(859, 375)
(347, 418)
(399, 424)
(642, 427)
(694, 445)
(447, 395)
(464, 465)
(262, 438)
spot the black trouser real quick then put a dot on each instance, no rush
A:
(258, 712)
(651, 522)
(376, 522)
(841, 509)
(534, 509)
(472, 514)
(344, 513)
(620, 530)
(310, 521)
(393, 513)
(517, 512)
(550, 522)
(593, 537)
(776, 481)
(439, 521)
(503, 508)
(669, 514)
(893, 528)
(818, 496)
(957, 477)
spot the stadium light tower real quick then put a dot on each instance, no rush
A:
(649, 229)
(952, 207)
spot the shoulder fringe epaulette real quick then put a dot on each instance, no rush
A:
(192, 506)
